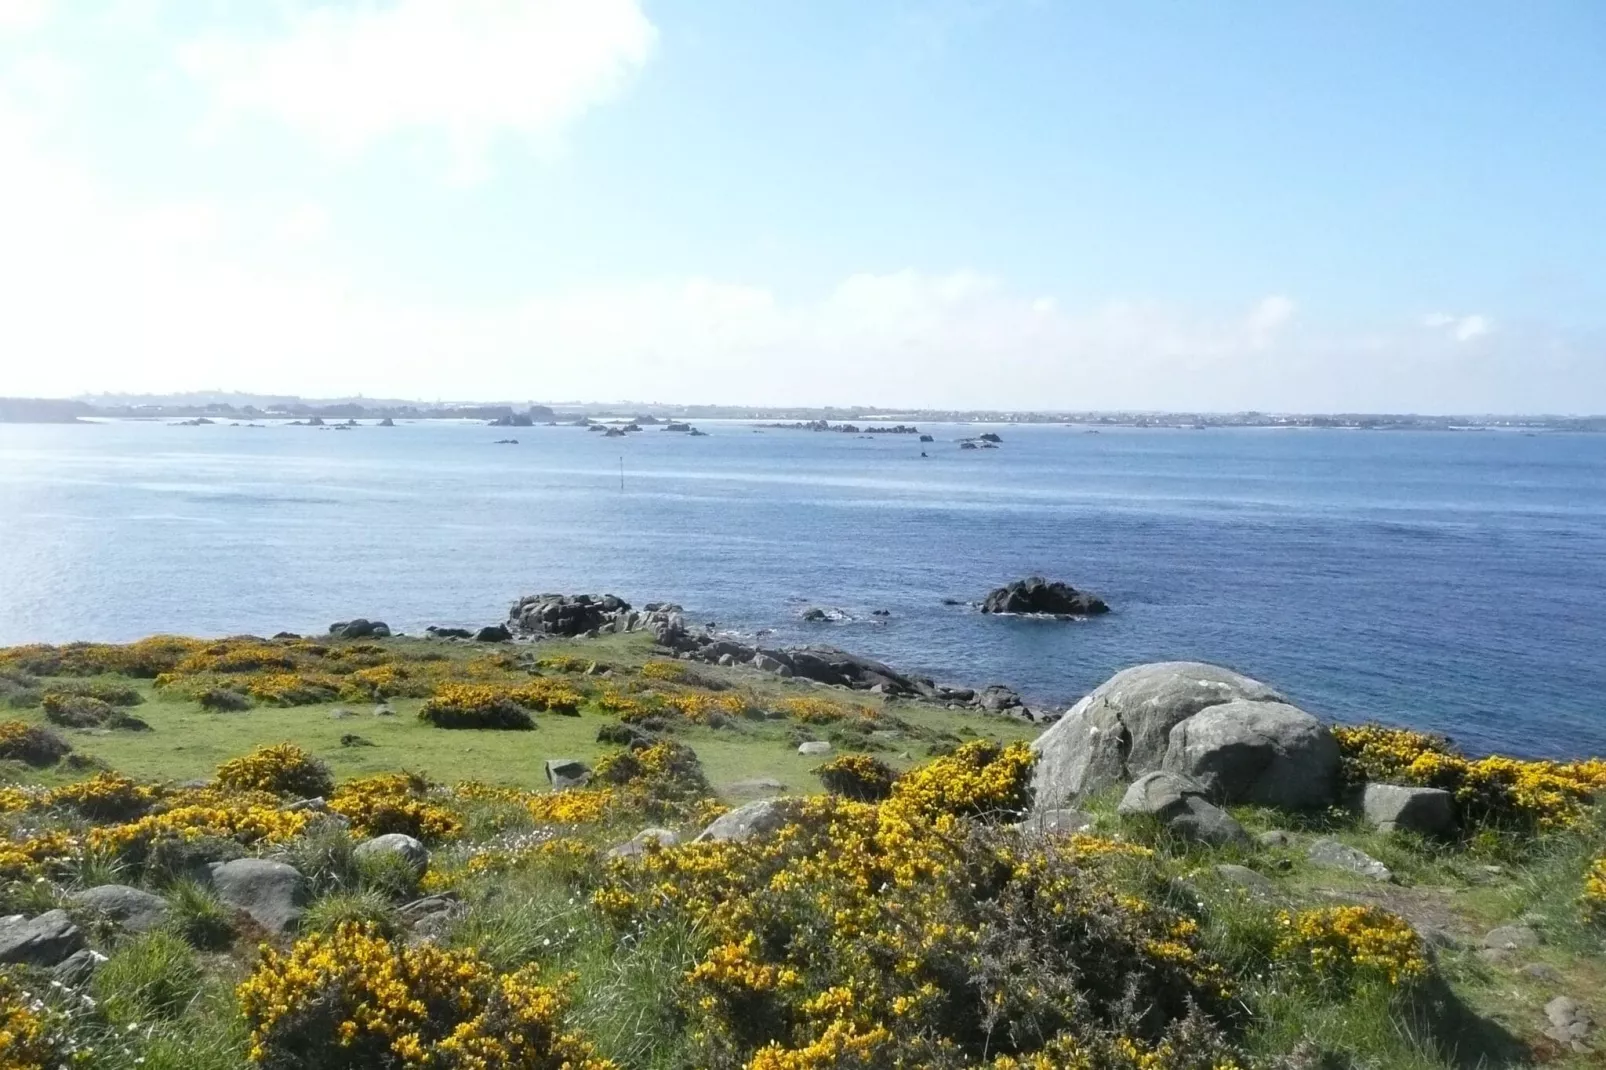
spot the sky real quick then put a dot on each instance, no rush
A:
(1010, 204)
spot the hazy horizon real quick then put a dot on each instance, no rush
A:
(928, 204)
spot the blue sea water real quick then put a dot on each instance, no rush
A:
(1449, 581)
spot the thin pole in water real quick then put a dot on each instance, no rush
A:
(621, 473)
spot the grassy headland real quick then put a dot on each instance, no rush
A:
(900, 919)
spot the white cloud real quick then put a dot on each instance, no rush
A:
(17, 15)
(466, 72)
(1461, 328)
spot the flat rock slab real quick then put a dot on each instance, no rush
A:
(130, 908)
(1335, 855)
(272, 893)
(1511, 938)
(1569, 1022)
(818, 746)
(1399, 807)
(643, 841)
(746, 822)
(43, 941)
(567, 773)
(397, 844)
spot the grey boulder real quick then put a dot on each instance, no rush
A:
(1180, 804)
(130, 908)
(744, 823)
(77, 969)
(1269, 753)
(1391, 807)
(642, 842)
(1121, 730)
(42, 941)
(397, 844)
(814, 747)
(1335, 855)
(567, 773)
(273, 894)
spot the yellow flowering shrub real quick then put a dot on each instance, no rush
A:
(811, 710)
(857, 776)
(30, 1038)
(37, 855)
(281, 769)
(394, 802)
(1336, 945)
(981, 779)
(700, 707)
(384, 681)
(563, 663)
(105, 797)
(1495, 790)
(664, 670)
(31, 744)
(293, 688)
(1595, 889)
(146, 658)
(248, 820)
(353, 1000)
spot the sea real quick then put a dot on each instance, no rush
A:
(1449, 581)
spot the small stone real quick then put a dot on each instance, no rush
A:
(564, 773)
(814, 747)
(399, 844)
(1511, 938)
(1274, 838)
(1325, 852)
(1541, 971)
(746, 822)
(1256, 884)
(42, 941)
(1570, 1023)
(129, 908)
(77, 969)
(638, 844)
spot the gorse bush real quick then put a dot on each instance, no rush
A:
(475, 706)
(394, 802)
(1595, 890)
(857, 776)
(1494, 790)
(31, 744)
(105, 797)
(353, 999)
(31, 1036)
(1339, 945)
(77, 711)
(282, 769)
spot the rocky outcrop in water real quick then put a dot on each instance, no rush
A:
(1036, 596)
(570, 615)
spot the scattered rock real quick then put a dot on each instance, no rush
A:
(384, 710)
(581, 614)
(130, 908)
(637, 844)
(42, 941)
(1541, 971)
(1122, 729)
(77, 969)
(1335, 855)
(567, 773)
(395, 843)
(1057, 822)
(1570, 1023)
(746, 822)
(1035, 596)
(340, 713)
(361, 628)
(352, 739)
(766, 663)
(430, 904)
(760, 786)
(827, 615)
(493, 633)
(1429, 811)
(272, 893)
(448, 633)
(998, 698)
(1274, 838)
(1181, 805)
(1256, 884)
(1269, 753)
(814, 747)
(1511, 938)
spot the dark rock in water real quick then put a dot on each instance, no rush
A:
(927, 438)
(360, 628)
(881, 613)
(506, 442)
(493, 633)
(967, 445)
(698, 434)
(316, 421)
(1038, 596)
(817, 615)
(953, 602)
(990, 437)
(387, 422)
(584, 614)
(615, 432)
(677, 427)
(448, 633)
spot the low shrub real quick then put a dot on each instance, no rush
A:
(31, 744)
(475, 706)
(32, 1036)
(113, 694)
(1595, 890)
(197, 916)
(354, 1000)
(664, 670)
(222, 699)
(394, 802)
(1336, 946)
(77, 711)
(293, 689)
(857, 776)
(282, 769)
(20, 692)
(105, 797)
(366, 909)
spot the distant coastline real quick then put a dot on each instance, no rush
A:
(254, 407)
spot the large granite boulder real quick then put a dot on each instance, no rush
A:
(1181, 804)
(272, 893)
(1123, 728)
(361, 628)
(396, 844)
(129, 908)
(1269, 753)
(1038, 597)
(41, 941)
(1399, 807)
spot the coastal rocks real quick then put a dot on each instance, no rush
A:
(587, 614)
(129, 908)
(644, 841)
(1180, 804)
(1570, 1023)
(1038, 597)
(493, 633)
(360, 628)
(564, 773)
(397, 845)
(1390, 807)
(272, 893)
(825, 615)
(41, 941)
(746, 822)
(1335, 855)
(436, 632)
(996, 698)
(1269, 753)
(1122, 730)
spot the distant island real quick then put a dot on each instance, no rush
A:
(234, 406)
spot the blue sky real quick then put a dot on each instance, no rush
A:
(1011, 203)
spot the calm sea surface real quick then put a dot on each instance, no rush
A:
(1452, 581)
